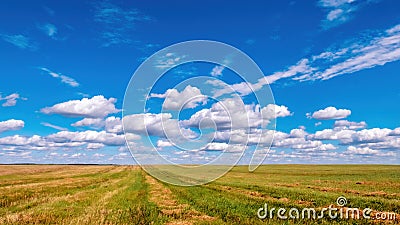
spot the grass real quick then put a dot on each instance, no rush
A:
(127, 195)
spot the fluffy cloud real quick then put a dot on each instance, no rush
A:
(163, 143)
(87, 122)
(330, 113)
(272, 111)
(161, 125)
(95, 145)
(376, 138)
(391, 143)
(98, 155)
(19, 140)
(190, 97)
(77, 155)
(296, 140)
(11, 100)
(371, 135)
(11, 124)
(362, 151)
(247, 123)
(113, 124)
(95, 107)
(395, 132)
(367, 151)
(88, 136)
(359, 142)
(216, 146)
(232, 113)
(137, 123)
(250, 137)
(63, 139)
(345, 124)
(298, 133)
(300, 143)
(344, 136)
(221, 146)
(36, 142)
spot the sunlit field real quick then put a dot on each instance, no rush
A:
(53, 194)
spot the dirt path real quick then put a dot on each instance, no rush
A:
(97, 212)
(181, 214)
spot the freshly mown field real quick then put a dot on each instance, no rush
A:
(50, 194)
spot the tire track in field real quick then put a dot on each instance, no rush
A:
(181, 214)
(355, 192)
(96, 213)
(255, 194)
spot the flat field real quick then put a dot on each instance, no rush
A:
(69, 194)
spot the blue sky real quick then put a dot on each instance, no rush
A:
(332, 66)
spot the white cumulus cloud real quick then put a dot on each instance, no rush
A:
(95, 107)
(190, 97)
(11, 124)
(163, 143)
(89, 136)
(87, 122)
(345, 124)
(233, 113)
(330, 113)
(161, 125)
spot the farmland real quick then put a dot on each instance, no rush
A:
(69, 194)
